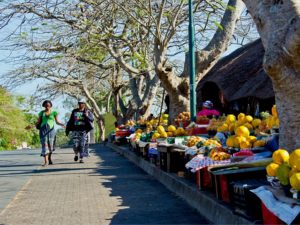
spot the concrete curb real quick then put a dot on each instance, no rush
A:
(205, 203)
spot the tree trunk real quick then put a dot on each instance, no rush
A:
(178, 87)
(101, 125)
(178, 90)
(92, 137)
(178, 104)
(287, 104)
(278, 23)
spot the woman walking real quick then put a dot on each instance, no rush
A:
(80, 123)
(45, 124)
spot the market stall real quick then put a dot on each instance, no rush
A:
(227, 156)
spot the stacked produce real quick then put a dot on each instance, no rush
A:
(202, 120)
(138, 134)
(171, 131)
(194, 140)
(219, 154)
(286, 167)
(209, 143)
(241, 128)
(215, 123)
(183, 118)
(130, 123)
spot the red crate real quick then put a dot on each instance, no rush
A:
(224, 188)
(199, 130)
(203, 180)
(122, 133)
(269, 217)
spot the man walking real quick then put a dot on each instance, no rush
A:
(80, 123)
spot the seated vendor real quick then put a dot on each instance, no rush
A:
(207, 110)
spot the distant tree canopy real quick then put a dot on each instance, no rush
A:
(13, 122)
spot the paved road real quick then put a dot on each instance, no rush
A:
(16, 167)
(106, 189)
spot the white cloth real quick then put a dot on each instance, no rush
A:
(286, 212)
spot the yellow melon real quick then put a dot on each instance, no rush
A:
(281, 156)
(272, 169)
(256, 123)
(241, 117)
(251, 139)
(242, 131)
(160, 129)
(164, 135)
(171, 128)
(170, 134)
(230, 119)
(230, 141)
(295, 159)
(295, 181)
(245, 144)
(248, 119)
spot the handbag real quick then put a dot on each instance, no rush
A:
(44, 130)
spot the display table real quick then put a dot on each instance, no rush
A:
(223, 177)
(171, 157)
(143, 148)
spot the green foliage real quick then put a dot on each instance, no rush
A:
(61, 139)
(13, 122)
(109, 123)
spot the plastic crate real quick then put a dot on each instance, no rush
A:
(221, 182)
(269, 217)
(203, 179)
(243, 199)
(122, 133)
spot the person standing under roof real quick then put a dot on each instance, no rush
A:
(207, 110)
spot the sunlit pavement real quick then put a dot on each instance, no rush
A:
(106, 189)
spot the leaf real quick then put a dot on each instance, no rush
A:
(218, 25)
(232, 8)
(34, 28)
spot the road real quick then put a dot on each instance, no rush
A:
(106, 189)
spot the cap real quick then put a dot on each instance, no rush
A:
(208, 104)
(82, 100)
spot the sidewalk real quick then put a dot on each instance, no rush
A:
(106, 189)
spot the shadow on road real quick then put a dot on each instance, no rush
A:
(144, 199)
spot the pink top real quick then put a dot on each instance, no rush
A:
(208, 112)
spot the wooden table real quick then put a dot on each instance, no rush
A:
(168, 149)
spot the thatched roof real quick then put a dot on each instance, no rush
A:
(241, 74)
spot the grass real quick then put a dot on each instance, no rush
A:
(109, 123)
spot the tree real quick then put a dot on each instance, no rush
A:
(82, 30)
(278, 23)
(13, 122)
(166, 23)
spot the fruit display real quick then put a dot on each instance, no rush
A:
(216, 123)
(183, 118)
(294, 162)
(130, 123)
(202, 120)
(286, 167)
(180, 132)
(138, 134)
(219, 154)
(243, 152)
(194, 140)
